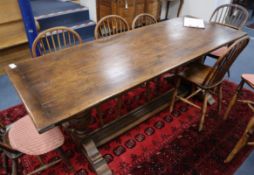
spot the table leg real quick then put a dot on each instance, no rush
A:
(78, 128)
(95, 158)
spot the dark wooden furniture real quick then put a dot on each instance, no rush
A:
(110, 25)
(208, 79)
(21, 137)
(128, 9)
(244, 140)
(248, 4)
(168, 6)
(65, 85)
(54, 39)
(143, 19)
(243, 3)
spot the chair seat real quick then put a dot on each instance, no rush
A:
(249, 78)
(219, 52)
(24, 138)
(196, 73)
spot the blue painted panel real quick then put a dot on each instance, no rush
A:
(69, 19)
(28, 19)
(86, 33)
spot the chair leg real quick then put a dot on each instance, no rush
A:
(242, 141)
(220, 96)
(233, 100)
(203, 59)
(65, 159)
(228, 73)
(173, 99)
(14, 167)
(5, 164)
(204, 108)
(44, 166)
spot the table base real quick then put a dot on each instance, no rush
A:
(89, 143)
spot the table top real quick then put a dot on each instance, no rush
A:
(57, 86)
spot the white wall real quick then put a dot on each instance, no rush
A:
(198, 8)
(91, 4)
(201, 8)
(220, 2)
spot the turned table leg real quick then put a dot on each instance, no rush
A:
(78, 128)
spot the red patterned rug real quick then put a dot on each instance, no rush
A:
(165, 144)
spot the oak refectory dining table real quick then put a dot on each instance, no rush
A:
(57, 87)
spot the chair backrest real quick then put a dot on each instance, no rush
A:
(143, 19)
(224, 63)
(54, 39)
(110, 25)
(231, 15)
